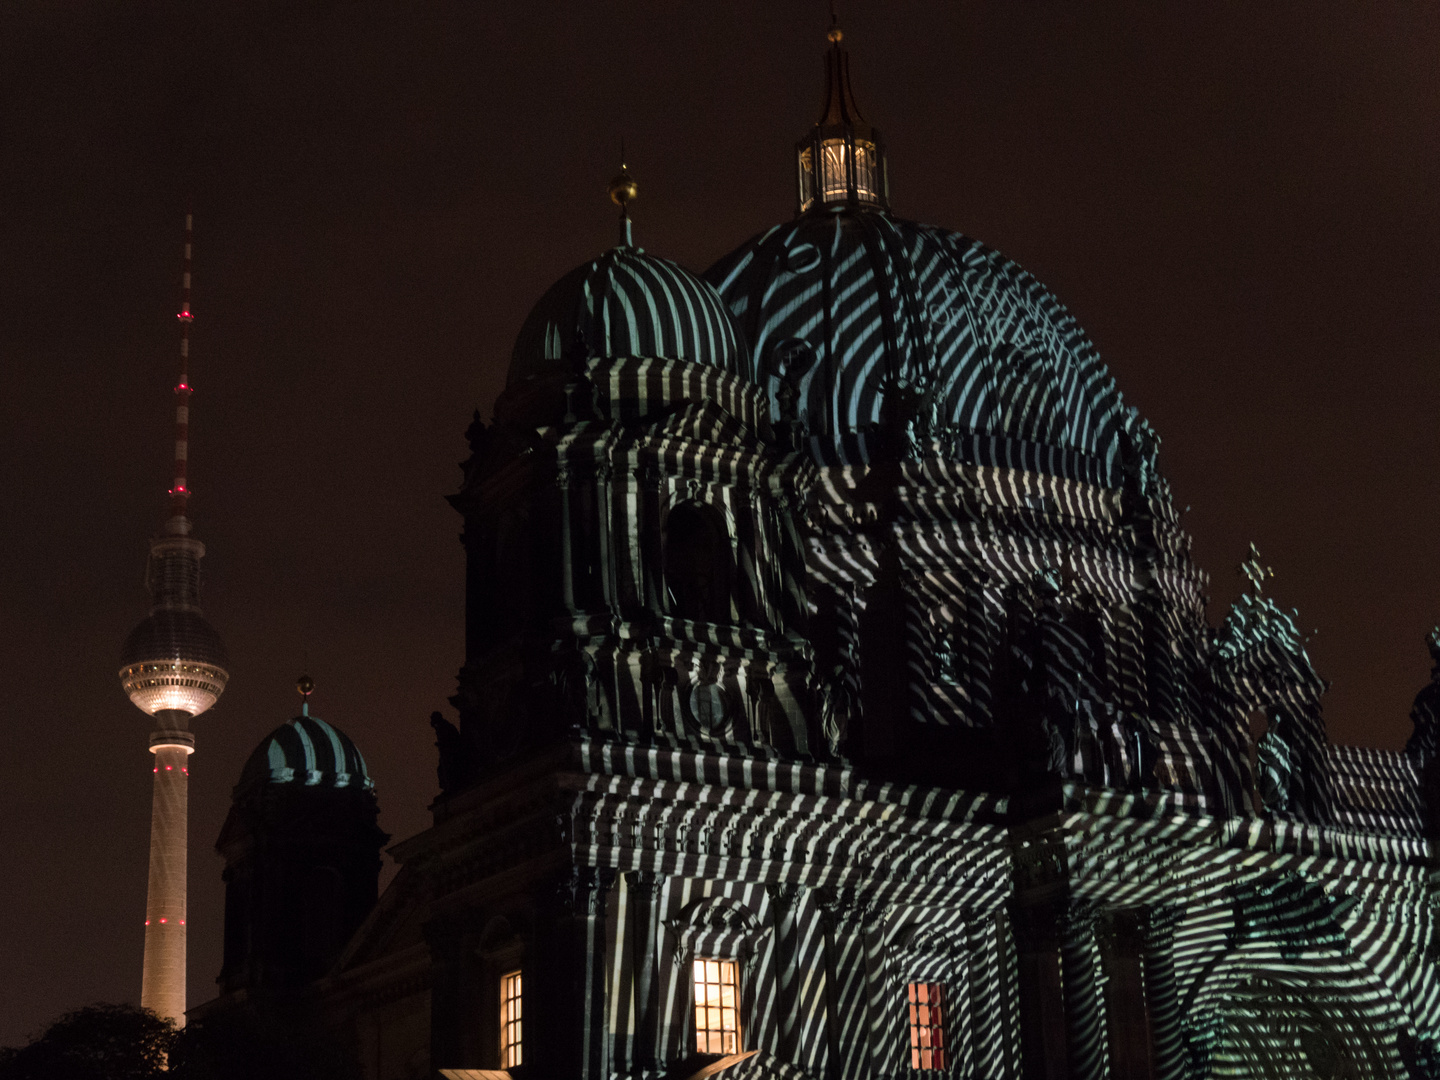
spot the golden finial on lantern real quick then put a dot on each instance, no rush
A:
(306, 686)
(622, 190)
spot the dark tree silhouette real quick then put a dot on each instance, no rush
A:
(270, 1040)
(98, 1042)
(122, 1042)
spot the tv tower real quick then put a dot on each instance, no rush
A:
(173, 667)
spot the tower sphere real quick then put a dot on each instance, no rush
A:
(174, 661)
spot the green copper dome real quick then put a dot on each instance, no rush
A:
(308, 752)
(627, 303)
(842, 308)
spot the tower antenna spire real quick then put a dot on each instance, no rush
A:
(179, 523)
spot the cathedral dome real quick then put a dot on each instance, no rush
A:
(842, 303)
(627, 303)
(309, 752)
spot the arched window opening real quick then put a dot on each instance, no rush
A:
(697, 563)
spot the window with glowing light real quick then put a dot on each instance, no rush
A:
(829, 177)
(717, 1007)
(927, 1025)
(510, 1020)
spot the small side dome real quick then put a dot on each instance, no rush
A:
(627, 303)
(309, 752)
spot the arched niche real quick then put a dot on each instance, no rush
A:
(698, 566)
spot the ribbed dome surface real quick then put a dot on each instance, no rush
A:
(627, 303)
(171, 634)
(843, 303)
(309, 752)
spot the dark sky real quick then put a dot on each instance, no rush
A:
(1239, 201)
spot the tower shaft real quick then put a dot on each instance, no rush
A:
(162, 987)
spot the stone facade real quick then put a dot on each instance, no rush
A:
(833, 620)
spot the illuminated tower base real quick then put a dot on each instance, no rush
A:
(162, 987)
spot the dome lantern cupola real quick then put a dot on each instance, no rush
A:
(841, 162)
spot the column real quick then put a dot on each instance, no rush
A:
(962, 1024)
(886, 1035)
(451, 995)
(843, 918)
(567, 1021)
(643, 892)
(989, 1034)
(1127, 1019)
(800, 983)
(788, 973)
(1043, 1054)
(1158, 966)
(1084, 1004)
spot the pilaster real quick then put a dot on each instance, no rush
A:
(845, 919)
(644, 893)
(566, 1031)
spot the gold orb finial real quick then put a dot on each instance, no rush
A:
(306, 686)
(834, 36)
(623, 188)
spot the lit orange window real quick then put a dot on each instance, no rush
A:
(717, 1007)
(510, 1020)
(927, 1025)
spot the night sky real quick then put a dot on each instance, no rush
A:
(1238, 201)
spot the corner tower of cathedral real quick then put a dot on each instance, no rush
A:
(839, 702)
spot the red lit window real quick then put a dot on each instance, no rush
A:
(927, 1025)
(510, 1020)
(717, 1007)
